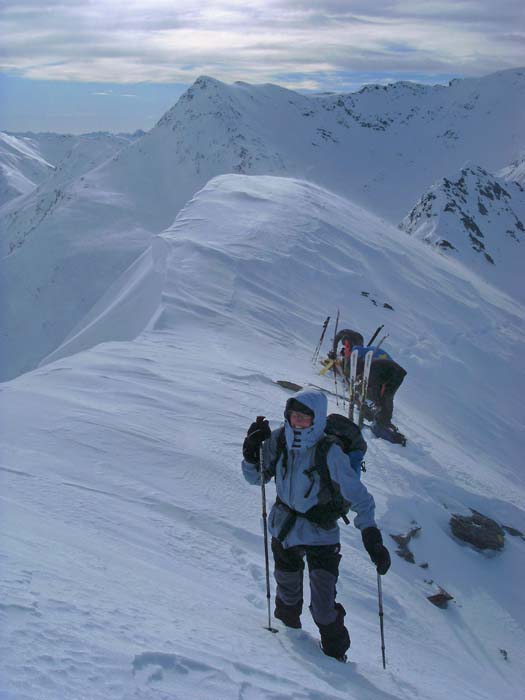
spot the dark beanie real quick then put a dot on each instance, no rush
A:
(295, 405)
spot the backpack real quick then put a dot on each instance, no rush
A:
(339, 430)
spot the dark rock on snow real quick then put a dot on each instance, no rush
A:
(441, 599)
(478, 530)
(402, 541)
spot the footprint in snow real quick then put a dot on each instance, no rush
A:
(156, 663)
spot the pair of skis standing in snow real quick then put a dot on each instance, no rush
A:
(373, 378)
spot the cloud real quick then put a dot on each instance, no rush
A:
(110, 93)
(168, 41)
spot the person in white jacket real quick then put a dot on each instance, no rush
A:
(289, 456)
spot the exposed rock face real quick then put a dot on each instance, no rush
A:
(513, 532)
(476, 202)
(441, 599)
(402, 541)
(478, 530)
(476, 217)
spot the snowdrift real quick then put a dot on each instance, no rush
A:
(131, 546)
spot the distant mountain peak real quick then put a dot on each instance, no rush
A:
(476, 216)
(204, 87)
(205, 81)
(515, 172)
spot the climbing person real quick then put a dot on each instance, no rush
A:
(386, 376)
(317, 480)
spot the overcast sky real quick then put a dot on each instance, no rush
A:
(77, 65)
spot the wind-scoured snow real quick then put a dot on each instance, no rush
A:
(131, 547)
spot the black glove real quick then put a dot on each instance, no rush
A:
(379, 554)
(258, 432)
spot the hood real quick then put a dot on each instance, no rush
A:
(307, 437)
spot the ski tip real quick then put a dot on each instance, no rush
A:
(271, 629)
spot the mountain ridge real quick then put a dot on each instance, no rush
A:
(378, 148)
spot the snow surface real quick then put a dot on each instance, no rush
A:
(27, 160)
(21, 167)
(382, 147)
(515, 172)
(131, 547)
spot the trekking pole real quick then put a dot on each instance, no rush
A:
(334, 343)
(378, 330)
(381, 341)
(266, 559)
(334, 349)
(315, 356)
(380, 599)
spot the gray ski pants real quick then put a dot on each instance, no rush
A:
(323, 568)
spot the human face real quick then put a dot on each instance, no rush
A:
(300, 420)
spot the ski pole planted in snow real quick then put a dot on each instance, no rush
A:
(315, 356)
(266, 560)
(380, 599)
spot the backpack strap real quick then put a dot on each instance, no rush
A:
(320, 466)
(280, 450)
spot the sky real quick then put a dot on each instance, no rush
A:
(117, 65)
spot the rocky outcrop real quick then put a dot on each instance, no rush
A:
(478, 530)
(440, 599)
(478, 219)
(402, 541)
(475, 211)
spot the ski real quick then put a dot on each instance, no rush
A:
(353, 382)
(364, 385)
(396, 437)
(315, 356)
(326, 391)
(334, 365)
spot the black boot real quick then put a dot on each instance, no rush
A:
(335, 640)
(290, 615)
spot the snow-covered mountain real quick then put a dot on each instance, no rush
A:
(28, 160)
(131, 549)
(22, 167)
(382, 147)
(478, 218)
(515, 172)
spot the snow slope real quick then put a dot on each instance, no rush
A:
(131, 546)
(22, 167)
(478, 218)
(381, 147)
(515, 172)
(28, 160)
